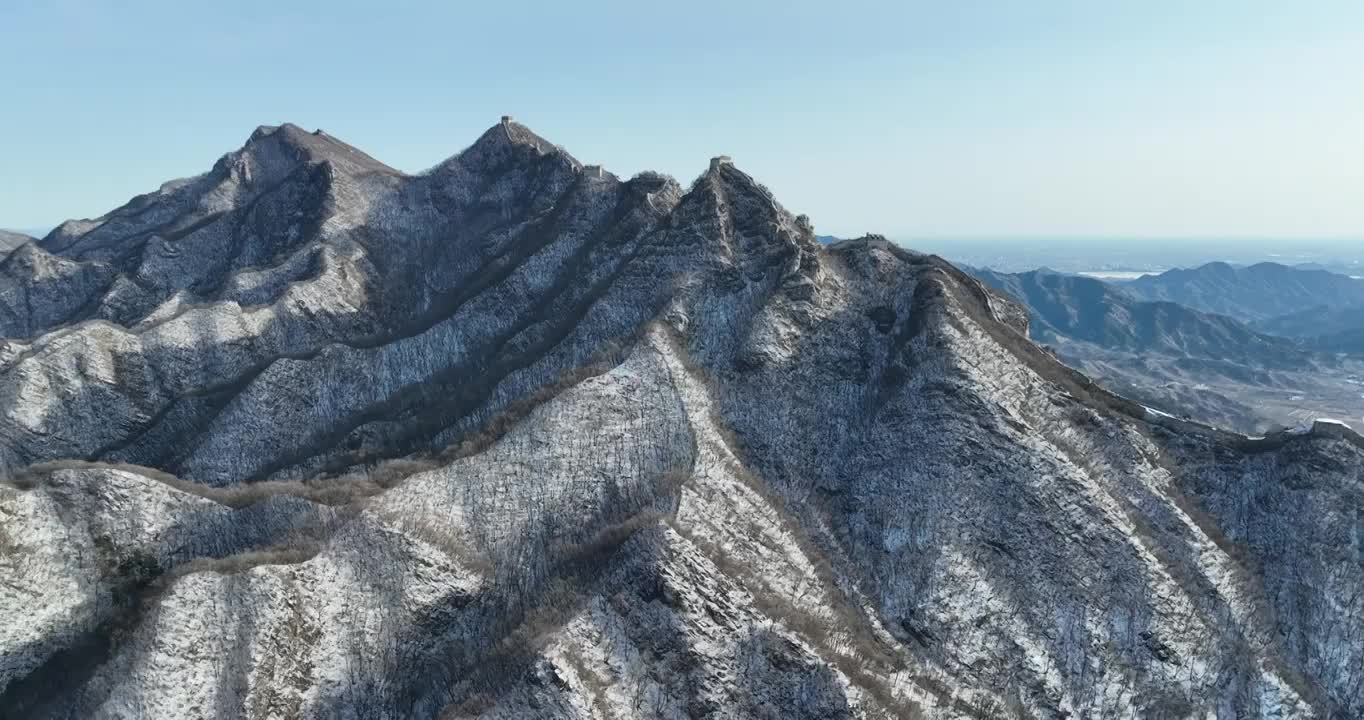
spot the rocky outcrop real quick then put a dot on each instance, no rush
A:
(11, 240)
(520, 438)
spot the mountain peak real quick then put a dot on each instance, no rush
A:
(264, 131)
(288, 144)
(507, 142)
(722, 172)
(508, 132)
(1224, 268)
(519, 134)
(1270, 267)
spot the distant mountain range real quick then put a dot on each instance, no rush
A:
(1354, 269)
(1318, 321)
(1102, 313)
(1318, 309)
(1203, 365)
(1252, 294)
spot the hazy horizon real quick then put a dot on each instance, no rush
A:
(1345, 242)
(916, 119)
(1150, 254)
(1097, 253)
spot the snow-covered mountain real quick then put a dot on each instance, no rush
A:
(308, 437)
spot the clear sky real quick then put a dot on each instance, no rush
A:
(951, 117)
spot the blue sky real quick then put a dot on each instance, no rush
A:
(1028, 118)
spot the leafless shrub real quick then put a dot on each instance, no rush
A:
(389, 473)
(288, 553)
(673, 480)
(441, 537)
(536, 607)
(608, 538)
(8, 546)
(868, 653)
(334, 491)
(475, 705)
(863, 660)
(30, 477)
(518, 410)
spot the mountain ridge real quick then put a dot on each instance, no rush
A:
(1252, 293)
(1128, 323)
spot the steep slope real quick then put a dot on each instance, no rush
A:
(529, 440)
(1250, 294)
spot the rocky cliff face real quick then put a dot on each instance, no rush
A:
(308, 437)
